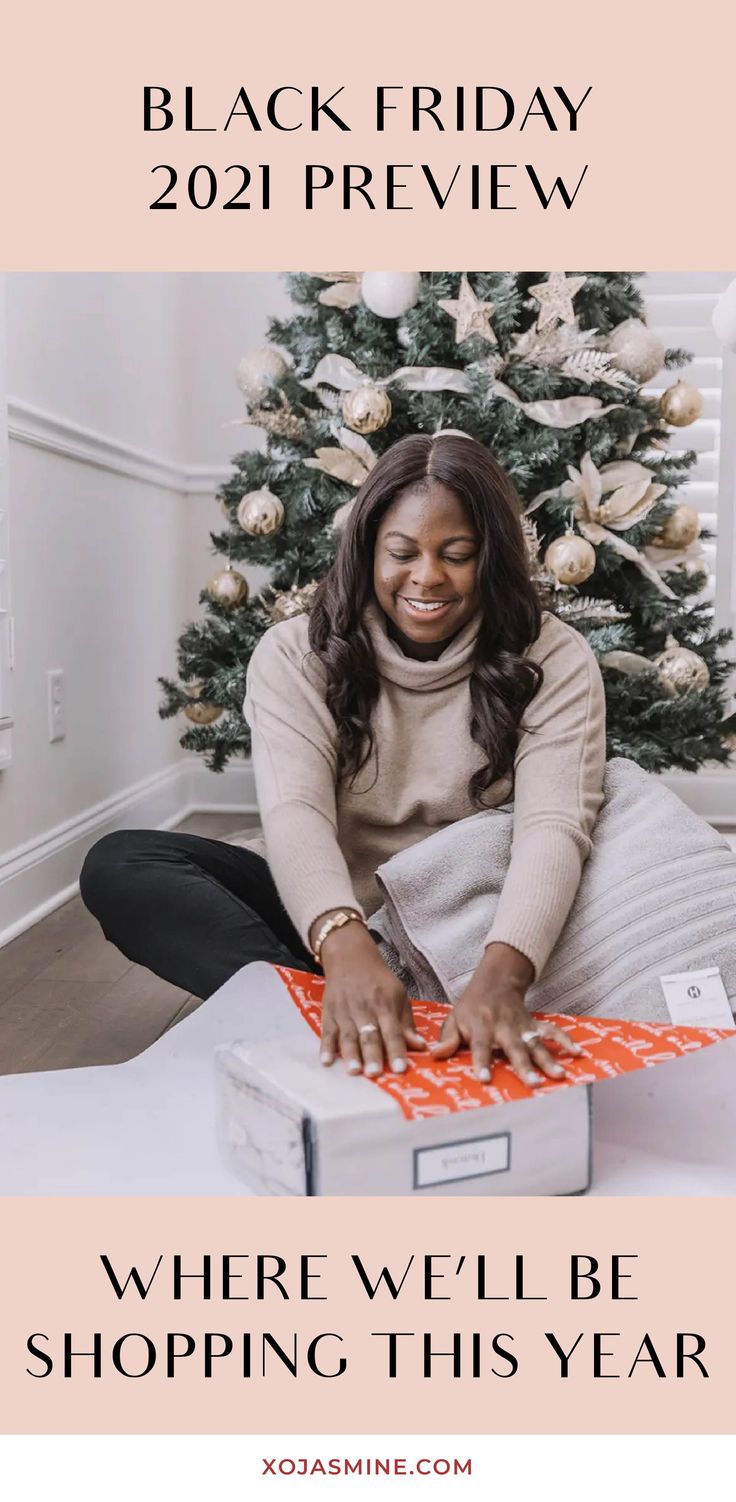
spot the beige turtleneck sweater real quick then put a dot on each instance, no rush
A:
(324, 844)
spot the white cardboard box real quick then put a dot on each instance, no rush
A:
(287, 1125)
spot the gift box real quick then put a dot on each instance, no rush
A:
(288, 1125)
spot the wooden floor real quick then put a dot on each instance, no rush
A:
(67, 997)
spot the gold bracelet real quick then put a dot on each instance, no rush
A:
(337, 920)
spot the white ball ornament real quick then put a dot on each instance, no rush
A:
(390, 293)
(636, 350)
(724, 317)
(260, 513)
(571, 559)
(259, 371)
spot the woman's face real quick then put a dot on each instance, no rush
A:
(425, 567)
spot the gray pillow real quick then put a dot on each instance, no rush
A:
(657, 894)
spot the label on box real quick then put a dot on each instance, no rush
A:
(697, 998)
(469, 1159)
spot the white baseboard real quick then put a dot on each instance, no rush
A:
(230, 791)
(39, 876)
(710, 793)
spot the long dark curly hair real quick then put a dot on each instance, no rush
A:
(502, 681)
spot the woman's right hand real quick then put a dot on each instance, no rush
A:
(366, 1012)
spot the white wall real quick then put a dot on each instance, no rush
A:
(98, 565)
(224, 316)
(119, 389)
(105, 350)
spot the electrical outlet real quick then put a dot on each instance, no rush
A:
(56, 705)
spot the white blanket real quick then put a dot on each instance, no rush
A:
(657, 895)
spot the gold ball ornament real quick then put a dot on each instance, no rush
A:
(228, 587)
(259, 371)
(571, 559)
(366, 409)
(260, 513)
(202, 714)
(681, 404)
(680, 669)
(636, 350)
(679, 530)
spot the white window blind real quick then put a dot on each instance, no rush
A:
(679, 310)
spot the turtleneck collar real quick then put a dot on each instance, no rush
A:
(455, 663)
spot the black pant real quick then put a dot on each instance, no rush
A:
(192, 910)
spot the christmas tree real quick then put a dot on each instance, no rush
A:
(547, 371)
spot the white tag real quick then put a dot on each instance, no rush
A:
(697, 998)
(470, 1159)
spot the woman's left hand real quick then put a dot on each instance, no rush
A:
(491, 1015)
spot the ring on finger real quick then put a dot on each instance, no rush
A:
(532, 1035)
(368, 1027)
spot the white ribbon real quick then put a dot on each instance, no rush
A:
(628, 662)
(665, 560)
(339, 371)
(595, 534)
(565, 412)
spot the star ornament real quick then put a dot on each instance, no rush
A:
(472, 317)
(555, 298)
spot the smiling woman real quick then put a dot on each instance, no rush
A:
(426, 684)
(406, 689)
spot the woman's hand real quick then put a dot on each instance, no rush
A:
(366, 1013)
(491, 1015)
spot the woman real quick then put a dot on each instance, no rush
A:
(425, 684)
